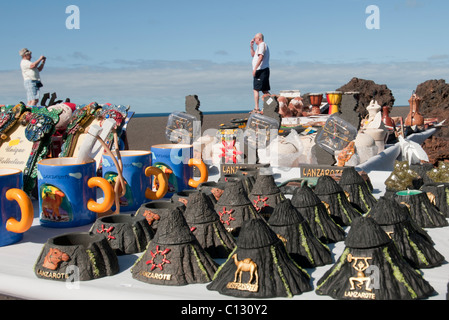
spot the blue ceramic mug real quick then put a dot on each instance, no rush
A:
(138, 175)
(176, 161)
(16, 208)
(68, 192)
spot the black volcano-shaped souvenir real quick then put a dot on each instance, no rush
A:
(265, 195)
(174, 257)
(299, 240)
(234, 207)
(422, 211)
(126, 234)
(356, 189)
(371, 268)
(438, 194)
(156, 210)
(251, 172)
(183, 196)
(413, 243)
(247, 181)
(205, 225)
(316, 214)
(213, 189)
(87, 254)
(260, 267)
(336, 201)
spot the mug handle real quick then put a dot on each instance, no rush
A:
(26, 208)
(203, 171)
(108, 192)
(163, 183)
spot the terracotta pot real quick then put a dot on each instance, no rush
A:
(414, 118)
(387, 120)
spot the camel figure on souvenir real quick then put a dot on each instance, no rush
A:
(245, 265)
(53, 258)
(51, 201)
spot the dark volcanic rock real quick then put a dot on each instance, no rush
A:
(368, 90)
(434, 96)
(436, 149)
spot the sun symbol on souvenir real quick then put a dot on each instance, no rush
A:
(155, 256)
(228, 213)
(229, 151)
(260, 203)
(108, 231)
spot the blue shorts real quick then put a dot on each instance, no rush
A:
(31, 89)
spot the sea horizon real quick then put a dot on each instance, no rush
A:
(166, 114)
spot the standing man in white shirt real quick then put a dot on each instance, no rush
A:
(261, 68)
(31, 76)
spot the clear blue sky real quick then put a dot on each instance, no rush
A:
(151, 54)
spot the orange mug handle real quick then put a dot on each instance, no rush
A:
(108, 192)
(26, 208)
(163, 183)
(204, 173)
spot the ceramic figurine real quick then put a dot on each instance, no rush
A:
(414, 118)
(386, 119)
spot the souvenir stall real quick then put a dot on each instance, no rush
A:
(267, 207)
